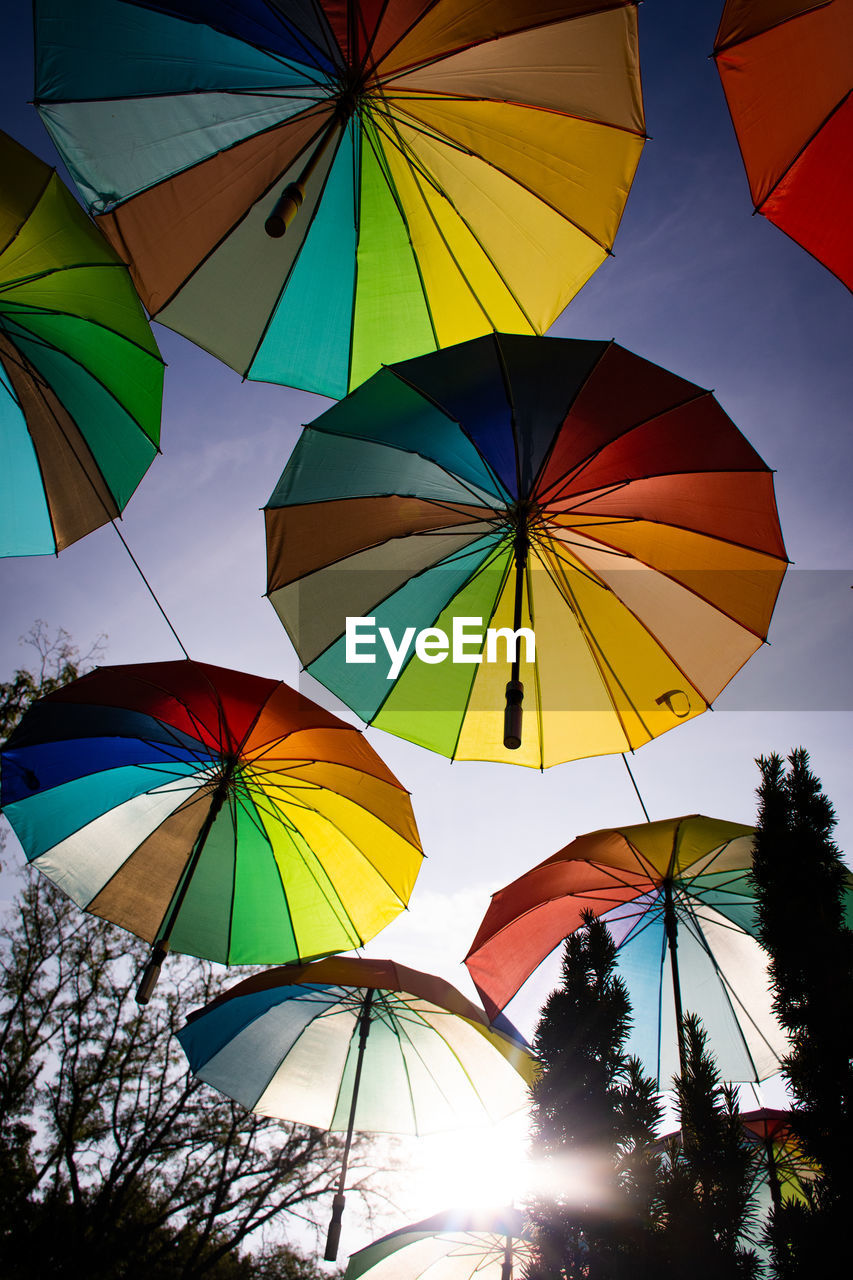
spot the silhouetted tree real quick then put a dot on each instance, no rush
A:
(707, 1181)
(594, 1120)
(804, 902)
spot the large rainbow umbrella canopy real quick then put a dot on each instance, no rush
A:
(461, 167)
(678, 898)
(222, 812)
(81, 379)
(787, 71)
(566, 487)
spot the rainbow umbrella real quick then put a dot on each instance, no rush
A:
(787, 72)
(474, 1245)
(678, 898)
(446, 169)
(782, 1170)
(220, 814)
(81, 379)
(358, 1044)
(564, 488)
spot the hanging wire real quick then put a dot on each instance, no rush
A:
(151, 589)
(636, 788)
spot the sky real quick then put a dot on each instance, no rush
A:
(696, 284)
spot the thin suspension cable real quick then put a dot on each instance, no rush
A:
(150, 588)
(636, 788)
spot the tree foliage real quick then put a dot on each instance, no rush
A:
(707, 1181)
(803, 899)
(594, 1120)
(617, 1202)
(115, 1161)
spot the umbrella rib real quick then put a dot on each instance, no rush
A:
(597, 654)
(416, 170)
(729, 994)
(503, 494)
(402, 1034)
(197, 266)
(548, 454)
(803, 149)
(461, 47)
(472, 535)
(771, 26)
(419, 173)
(438, 136)
(477, 572)
(38, 341)
(333, 899)
(665, 650)
(671, 576)
(684, 528)
(456, 555)
(385, 170)
(324, 885)
(39, 384)
(655, 640)
(50, 173)
(470, 691)
(478, 495)
(308, 224)
(553, 489)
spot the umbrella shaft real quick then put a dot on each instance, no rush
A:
(334, 1234)
(289, 202)
(515, 689)
(671, 926)
(160, 948)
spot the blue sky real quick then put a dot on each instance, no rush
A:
(696, 284)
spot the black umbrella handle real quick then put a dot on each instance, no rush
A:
(151, 972)
(333, 1238)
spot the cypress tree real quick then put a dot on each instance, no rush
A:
(594, 1120)
(804, 906)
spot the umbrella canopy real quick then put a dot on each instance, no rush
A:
(81, 379)
(357, 1044)
(219, 813)
(787, 72)
(678, 898)
(454, 1245)
(453, 168)
(566, 487)
(782, 1170)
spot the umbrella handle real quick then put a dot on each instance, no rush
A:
(289, 202)
(151, 972)
(285, 210)
(515, 688)
(333, 1237)
(513, 714)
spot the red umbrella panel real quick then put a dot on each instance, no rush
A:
(787, 72)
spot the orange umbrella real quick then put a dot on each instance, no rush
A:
(787, 72)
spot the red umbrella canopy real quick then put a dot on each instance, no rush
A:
(787, 72)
